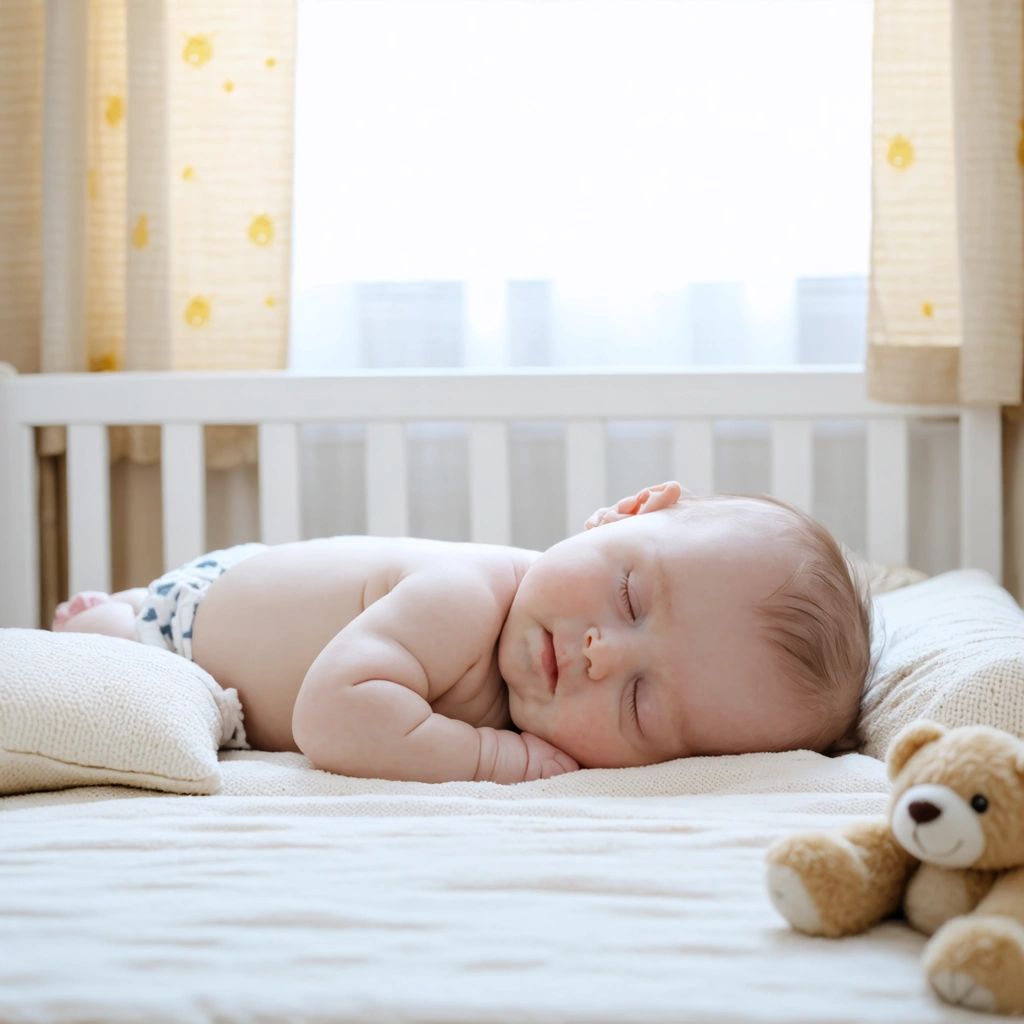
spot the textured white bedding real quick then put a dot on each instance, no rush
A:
(300, 896)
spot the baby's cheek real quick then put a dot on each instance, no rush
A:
(586, 734)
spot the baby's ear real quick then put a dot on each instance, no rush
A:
(650, 499)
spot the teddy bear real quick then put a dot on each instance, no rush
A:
(950, 855)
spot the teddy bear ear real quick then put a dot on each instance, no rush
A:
(908, 742)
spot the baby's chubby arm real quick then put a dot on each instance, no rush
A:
(364, 705)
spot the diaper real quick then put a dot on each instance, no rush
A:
(165, 619)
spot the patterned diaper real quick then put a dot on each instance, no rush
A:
(165, 619)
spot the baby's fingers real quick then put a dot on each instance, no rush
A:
(602, 516)
(560, 764)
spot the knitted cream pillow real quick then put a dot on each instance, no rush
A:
(79, 709)
(950, 649)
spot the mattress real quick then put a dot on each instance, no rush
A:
(611, 896)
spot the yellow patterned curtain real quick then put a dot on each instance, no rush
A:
(22, 26)
(946, 322)
(146, 147)
(946, 319)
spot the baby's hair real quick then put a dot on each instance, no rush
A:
(819, 620)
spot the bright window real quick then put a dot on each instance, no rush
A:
(533, 182)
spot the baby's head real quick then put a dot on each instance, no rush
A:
(684, 625)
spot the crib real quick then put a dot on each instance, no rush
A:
(296, 895)
(692, 399)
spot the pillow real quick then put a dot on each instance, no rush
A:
(950, 649)
(80, 709)
(881, 579)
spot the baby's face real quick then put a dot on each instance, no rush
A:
(638, 641)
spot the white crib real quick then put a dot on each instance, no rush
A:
(384, 401)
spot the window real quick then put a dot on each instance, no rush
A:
(581, 182)
(578, 182)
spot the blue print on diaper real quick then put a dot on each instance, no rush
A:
(150, 615)
(165, 588)
(208, 564)
(166, 630)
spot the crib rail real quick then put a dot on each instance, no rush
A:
(279, 402)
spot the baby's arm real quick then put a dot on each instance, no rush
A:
(363, 707)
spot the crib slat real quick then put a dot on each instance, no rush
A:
(183, 492)
(19, 532)
(693, 455)
(888, 490)
(586, 484)
(280, 483)
(981, 489)
(793, 462)
(489, 497)
(387, 513)
(88, 482)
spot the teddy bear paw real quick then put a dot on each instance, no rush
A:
(978, 962)
(962, 990)
(791, 899)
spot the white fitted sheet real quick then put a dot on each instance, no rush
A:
(634, 895)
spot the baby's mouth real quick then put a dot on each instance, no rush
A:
(548, 660)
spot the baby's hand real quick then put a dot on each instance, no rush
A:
(544, 760)
(510, 757)
(650, 499)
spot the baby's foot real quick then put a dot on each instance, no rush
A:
(81, 602)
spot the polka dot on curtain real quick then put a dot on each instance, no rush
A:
(113, 111)
(901, 153)
(198, 50)
(261, 230)
(106, 363)
(197, 312)
(140, 233)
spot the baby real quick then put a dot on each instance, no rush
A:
(674, 625)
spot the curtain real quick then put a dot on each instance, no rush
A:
(146, 148)
(947, 308)
(946, 313)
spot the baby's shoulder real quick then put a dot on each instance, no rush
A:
(486, 569)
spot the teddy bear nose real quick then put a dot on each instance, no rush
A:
(922, 811)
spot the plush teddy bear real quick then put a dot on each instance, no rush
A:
(951, 855)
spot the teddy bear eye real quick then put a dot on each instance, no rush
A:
(979, 803)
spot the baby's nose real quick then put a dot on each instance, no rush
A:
(602, 652)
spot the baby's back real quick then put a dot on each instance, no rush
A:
(265, 621)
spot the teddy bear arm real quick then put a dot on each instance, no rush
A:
(935, 895)
(838, 883)
(1006, 896)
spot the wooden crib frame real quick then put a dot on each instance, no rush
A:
(278, 402)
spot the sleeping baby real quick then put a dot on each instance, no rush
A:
(675, 625)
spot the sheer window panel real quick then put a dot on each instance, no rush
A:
(743, 456)
(437, 458)
(611, 215)
(232, 506)
(333, 479)
(934, 501)
(839, 457)
(537, 470)
(639, 454)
